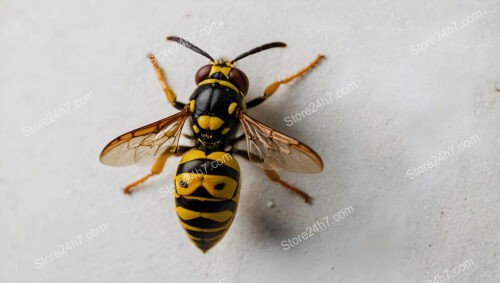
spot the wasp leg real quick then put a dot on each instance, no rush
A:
(188, 136)
(171, 97)
(237, 139)
(157, 167)
(270, 89)
(273, 176)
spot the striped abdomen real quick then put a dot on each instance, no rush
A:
(206, 195)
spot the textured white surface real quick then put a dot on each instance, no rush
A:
(404, 109)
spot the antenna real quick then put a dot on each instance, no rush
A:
(189, 45)
(259, 49)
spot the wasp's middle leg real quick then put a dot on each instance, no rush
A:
(171, 97)
(273, 175)
(157, 167)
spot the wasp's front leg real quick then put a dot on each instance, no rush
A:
(270, 89)
(171, 97)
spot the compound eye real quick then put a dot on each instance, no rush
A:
(240, 79)
(202, 73)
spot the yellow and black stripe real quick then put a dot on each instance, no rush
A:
(206, 195)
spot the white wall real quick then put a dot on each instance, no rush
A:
(404, 106)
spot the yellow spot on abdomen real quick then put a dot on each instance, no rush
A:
(187, 214)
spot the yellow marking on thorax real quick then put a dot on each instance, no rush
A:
(222, 82)
(191, 105)
(232, 107)
(210, 122)
(196, 129)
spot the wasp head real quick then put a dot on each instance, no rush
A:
(223, 70)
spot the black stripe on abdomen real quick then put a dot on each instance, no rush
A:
(205, 206)
(204, 223)
(209, 167)
(205, 235)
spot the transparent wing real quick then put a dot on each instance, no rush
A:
(143, 145)
(272, 149)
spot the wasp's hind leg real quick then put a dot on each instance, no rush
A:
(273, 176)
(270, 89)
(171, 97)
(157, 167)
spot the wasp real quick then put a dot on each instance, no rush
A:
(207, 181)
